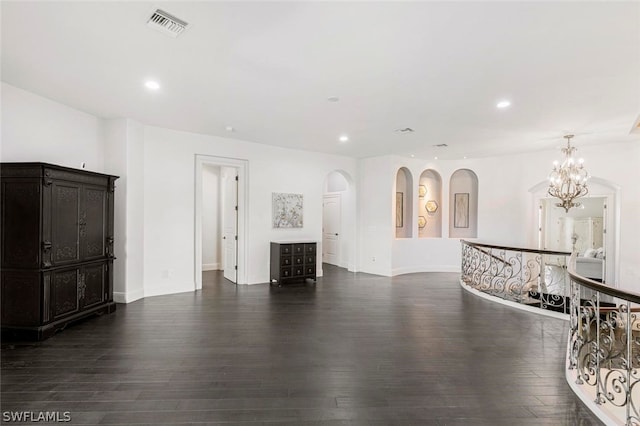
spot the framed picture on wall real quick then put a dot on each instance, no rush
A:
(399, 210)
(461, 210)
(287, 210)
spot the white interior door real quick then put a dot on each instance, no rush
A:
(230, 223)
(331, 210)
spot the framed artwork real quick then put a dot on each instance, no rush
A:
(431, 206)
(461, 210)
(422, 191)
(422, 222)
(399, 210)
(287, 210)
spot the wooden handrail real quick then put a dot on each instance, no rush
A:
(594, 285)
(525, 250)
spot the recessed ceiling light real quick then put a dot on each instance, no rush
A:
(413, 156)
(152, 85)
(464, 157)
(343, 138)
(503, 104)
(333, 99)
(435, 158)
(230, 129)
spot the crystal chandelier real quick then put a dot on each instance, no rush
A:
(568, 181)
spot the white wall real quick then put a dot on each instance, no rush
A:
(123, 156)
(159, 176)
(506, 211)
(169, 201)
(376, 217)
(211, 216)
(40, 130)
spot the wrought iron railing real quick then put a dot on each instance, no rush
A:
(603, 359)
(604, 346)
(536, 278)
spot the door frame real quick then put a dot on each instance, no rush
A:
(600, 188)
(242, 167)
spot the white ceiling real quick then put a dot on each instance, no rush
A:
(267, 69)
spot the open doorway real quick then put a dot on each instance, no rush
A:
(338, 221)
(581, 230)
(220, 218)
(604, 201)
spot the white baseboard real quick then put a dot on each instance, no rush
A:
(422, 268)
(376, 271)
(211, 267)
(120, 297)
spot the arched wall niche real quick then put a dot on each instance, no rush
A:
(463, 204)
(430, 205)
(403, 204)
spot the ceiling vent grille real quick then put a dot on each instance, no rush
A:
(441, 145)
(166, 23)
(405, 130)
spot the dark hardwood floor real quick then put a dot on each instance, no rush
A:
(353, 349)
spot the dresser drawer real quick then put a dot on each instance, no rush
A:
(310, 259)
(286, 249)
(286, 272)
(310, 270)
(310, 248)
(286, 261)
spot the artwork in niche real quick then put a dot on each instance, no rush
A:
(287, 210)
(422, 191)
(399, 211)
(461, 210)
(422, 222)
(431, 206)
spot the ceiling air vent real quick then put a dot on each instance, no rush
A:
(441, 145)
(404, 130)
(166, 23)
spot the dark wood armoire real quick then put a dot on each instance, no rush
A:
(57, 247)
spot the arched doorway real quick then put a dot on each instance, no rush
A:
(338, 220)
(584, 229)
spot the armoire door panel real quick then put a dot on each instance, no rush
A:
(65, 222)
(93, 223)
(93, 285)
(65, 292)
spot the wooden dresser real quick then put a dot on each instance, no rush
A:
(293, 261)
(57, 247)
